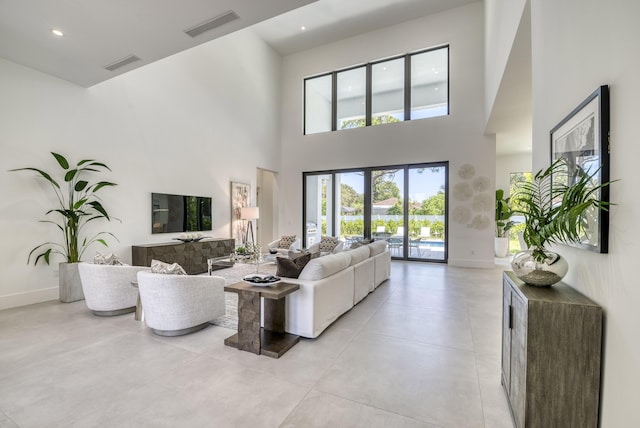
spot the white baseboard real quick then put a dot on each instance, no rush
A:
(480, 264)
(29, 298)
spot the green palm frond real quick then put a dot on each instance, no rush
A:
(555, 212)
(75, 209)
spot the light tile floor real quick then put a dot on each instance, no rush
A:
(423, 350)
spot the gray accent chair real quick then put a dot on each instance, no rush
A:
(175, 305)
(107, 288)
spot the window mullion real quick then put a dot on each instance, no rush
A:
(334, 101)
(407, 87)
(368, 96)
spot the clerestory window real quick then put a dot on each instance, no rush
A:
(406, 87)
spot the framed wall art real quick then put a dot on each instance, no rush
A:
(582, 139)
(240, 197)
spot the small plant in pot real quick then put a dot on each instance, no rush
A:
(554, 212)
(77, 205)
(503, 224)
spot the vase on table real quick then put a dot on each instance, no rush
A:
(539, 271)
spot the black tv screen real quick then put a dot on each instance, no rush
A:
(179, 213)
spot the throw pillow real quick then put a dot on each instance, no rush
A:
(291, 268)
(165, 268)
(286, 241)
(328, 243)
(109, 259)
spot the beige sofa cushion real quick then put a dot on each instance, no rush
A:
(377, 247)
(325, 266)
(359, 254)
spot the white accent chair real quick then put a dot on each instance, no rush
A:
(107, 288)
(175, 305)
(283, 251)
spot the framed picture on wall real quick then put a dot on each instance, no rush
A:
(240, 197)
(582, 139)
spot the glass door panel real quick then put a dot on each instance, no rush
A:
(350, 206)
(427, 187)
(387, 208)
(318, 207)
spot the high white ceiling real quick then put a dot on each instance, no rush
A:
(327, 21)
(98, 33)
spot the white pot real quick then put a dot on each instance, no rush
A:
(501, 247)
(69, 283)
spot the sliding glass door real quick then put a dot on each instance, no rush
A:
(349, 206)
(427, 212)
(388, 208)
(405, 205)
(318, 202)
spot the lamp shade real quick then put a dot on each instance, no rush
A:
(249, 213)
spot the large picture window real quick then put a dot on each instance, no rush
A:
(407, 87)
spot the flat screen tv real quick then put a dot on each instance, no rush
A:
(179, 213)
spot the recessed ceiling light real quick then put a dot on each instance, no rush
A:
(303, 28)
(57, 32)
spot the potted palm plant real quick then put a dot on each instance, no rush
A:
(77, 205)
(554, 212)
(503, 224)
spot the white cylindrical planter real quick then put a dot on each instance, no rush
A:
(501, 247)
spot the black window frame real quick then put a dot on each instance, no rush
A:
(368, 194)
(368, 84)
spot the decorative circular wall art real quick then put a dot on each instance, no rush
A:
(462, 191)
(483, 202)
(466, 171)
(481, 184)
(475, 198)
(461, 214)
(480, 221)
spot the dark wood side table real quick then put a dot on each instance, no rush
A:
(270, 340)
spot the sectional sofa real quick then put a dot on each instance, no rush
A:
(331, 285)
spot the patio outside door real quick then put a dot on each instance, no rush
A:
(408, 209)
(405, 205)
(388, 208)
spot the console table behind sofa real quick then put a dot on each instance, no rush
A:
(192, 256)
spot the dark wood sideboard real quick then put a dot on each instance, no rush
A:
(551, 355)
(192, 256)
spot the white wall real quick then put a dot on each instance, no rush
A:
(502, 19)
(457, 138)
(578, 46)
(188, 124)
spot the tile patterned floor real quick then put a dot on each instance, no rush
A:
(423, 350)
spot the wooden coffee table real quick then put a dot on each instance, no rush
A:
(270, 340)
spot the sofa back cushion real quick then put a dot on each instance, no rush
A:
(325, 266)
(359, 254)
(377, 247)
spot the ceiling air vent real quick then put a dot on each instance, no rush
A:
(122, 62)
(212, 23)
